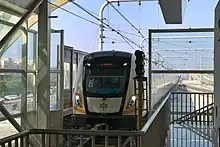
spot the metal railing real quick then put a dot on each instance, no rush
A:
(204, 112)
(143, 138)
(184, 103)
(191, 119)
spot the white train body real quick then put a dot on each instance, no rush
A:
(104, 86)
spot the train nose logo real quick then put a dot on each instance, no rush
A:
(103, 105)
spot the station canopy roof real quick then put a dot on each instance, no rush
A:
(10, 13)
(17, 8)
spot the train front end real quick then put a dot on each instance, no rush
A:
(107, 90)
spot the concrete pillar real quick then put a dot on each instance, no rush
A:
(43, 77)
(43, 70)
(216, 74)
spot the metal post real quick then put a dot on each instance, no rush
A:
(149, 72)
(101, 27)
(35, 67)
(61, 68)
(71, 78)
(140, 102)
(7, 37)
(24, 110)
(101, 12)
(140, 108)
(216, 74)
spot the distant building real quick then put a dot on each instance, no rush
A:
(14, 63)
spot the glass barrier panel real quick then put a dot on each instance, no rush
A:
(184, 50)
(55, 51)
(11, 89)
(75, 58)
(74, 72)
(67, 75)
(12, 56)
(54, 91)
(31, 92)
(31, 51)
(161, 84)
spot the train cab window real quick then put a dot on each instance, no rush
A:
(106, 77)
(107, 81)
(105, 85)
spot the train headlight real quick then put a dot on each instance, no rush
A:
(132, 101)
(77, 100)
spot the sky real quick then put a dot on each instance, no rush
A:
(83, 35)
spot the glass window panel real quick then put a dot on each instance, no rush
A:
(74, 58)
(32, 22)
(67, 55)
(36, 48)
(11, 91)
(74, 73)
(54, 91)
(66, 75)
(55, 45)
(31, 54)
(12, 56)
(184, 50)
(34, 27)
(31, 92)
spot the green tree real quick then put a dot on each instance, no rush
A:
(3, 88)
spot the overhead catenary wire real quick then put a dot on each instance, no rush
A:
(126, 39)
(126, 19)
(73, 13)
(90, 13)
(113, 29)
(122, 30)
(114, 39)
(133, 26)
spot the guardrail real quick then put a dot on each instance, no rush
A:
(188, 103)
(192, 117)
(152, 129)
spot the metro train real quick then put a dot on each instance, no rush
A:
(104, 90)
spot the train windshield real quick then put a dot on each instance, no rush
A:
(106, 81)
